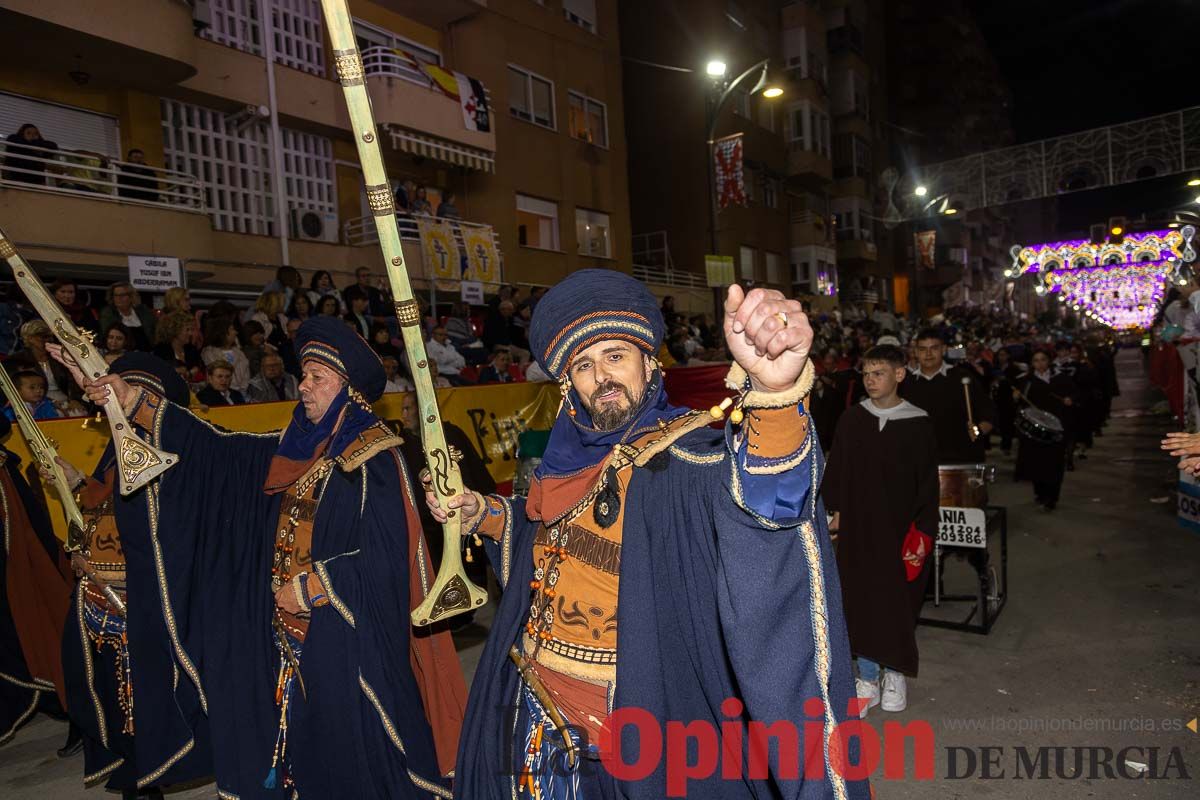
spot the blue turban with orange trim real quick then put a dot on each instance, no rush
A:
(593, 305)
(332, 342)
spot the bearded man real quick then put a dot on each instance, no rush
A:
(660, 567)
(287, 567)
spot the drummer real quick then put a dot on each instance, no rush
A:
(1043, 462)
(936, 387)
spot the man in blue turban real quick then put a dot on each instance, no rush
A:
(287, 567)
(662, 574)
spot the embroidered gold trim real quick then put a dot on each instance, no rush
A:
(696, 458)
(88, 666)
(351, 462)
(22, 684)
(7, 525)
(334, 599)
(428, 786)
(818, 611)
(147, 780)
(693, 421)
(506, 541)
(224, 795)
(95, 777)
(736, 380)
(29, 712)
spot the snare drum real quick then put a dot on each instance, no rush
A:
(1039, 426)
(965, 485)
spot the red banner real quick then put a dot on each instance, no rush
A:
(924, 241)
(727, 159)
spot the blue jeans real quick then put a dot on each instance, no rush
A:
(868, 670)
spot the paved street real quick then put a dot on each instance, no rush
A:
(1097, 647)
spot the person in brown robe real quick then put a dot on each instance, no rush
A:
(881, 485)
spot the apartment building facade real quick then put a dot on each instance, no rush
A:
(810, 155)
(251, 168)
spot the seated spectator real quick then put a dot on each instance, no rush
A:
(268, 312)
(288, 281)
(116, 339)
(179, 299)
(395, 381)
(175, 331)
(33, 357)
(31, 386)
(329, 306)
(22, 153)
(450, 362)
(287, 351)
(125, 306)
(378, 307)
(459, 329)
(447, 209)
(501, 328)
(381, 342)
(221, 344)
(136, 181)
(439, 381)
(420, 205)
(320, 286)
(254, 345)
(301, 307)
(497, 370)
(66, 292)
(272, 383)
(218, 392)
(357, 301)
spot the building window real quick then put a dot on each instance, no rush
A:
(592, 231)
(408, 67)
(530, 97)
(774, 275)
(809, 129)
(771, 192)
(766, 115)
(537, 223)
(581, 13)
(746, 257)
(814, 270)
(588, 119)
(233, 160)
(851, 157)
(851, 220)
(299, 37)
(750, 183)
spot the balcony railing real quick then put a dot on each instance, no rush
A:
(361, 230)
(670, 277)
(388, 63)
(98, 177)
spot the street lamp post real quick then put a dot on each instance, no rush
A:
(715, 103)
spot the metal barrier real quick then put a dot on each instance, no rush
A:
(98, 177)
(666, 277)
(388, 63)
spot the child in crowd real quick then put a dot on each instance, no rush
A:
(881, 485)
(395, 381)
(31, 386)
(218, 392)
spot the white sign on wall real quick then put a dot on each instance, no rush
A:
(472, 292)
(155, 273)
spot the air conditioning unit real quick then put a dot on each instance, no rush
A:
(316, 226)
(202, 15)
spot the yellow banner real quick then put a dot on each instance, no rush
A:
(483, 262)
(491, 416)
(439, 248)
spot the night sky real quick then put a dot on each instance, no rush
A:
(1079, 64)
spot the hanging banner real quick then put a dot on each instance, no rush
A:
(441, 254)
(483, 261)
(719, 270)
(727, 165)
(468, 91)
(924, 241)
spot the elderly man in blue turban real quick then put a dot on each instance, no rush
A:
(665, 582)
(287, 567)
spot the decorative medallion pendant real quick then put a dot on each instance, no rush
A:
(607, 506)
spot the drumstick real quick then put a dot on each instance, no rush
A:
(966, 382)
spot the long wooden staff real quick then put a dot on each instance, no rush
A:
(137, 462)
(452, 592)
(44, 451)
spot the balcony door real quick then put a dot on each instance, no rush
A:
(68, 127)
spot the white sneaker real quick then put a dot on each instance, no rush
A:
(895, 691)
(866, 690)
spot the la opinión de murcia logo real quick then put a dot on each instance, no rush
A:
(634, 745)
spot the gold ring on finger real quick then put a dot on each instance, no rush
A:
(782, 317)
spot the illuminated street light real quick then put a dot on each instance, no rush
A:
(1117, 230)
(952, 210)
(1194, 182)
(920, 191)
(715, 68)
(771, 92)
